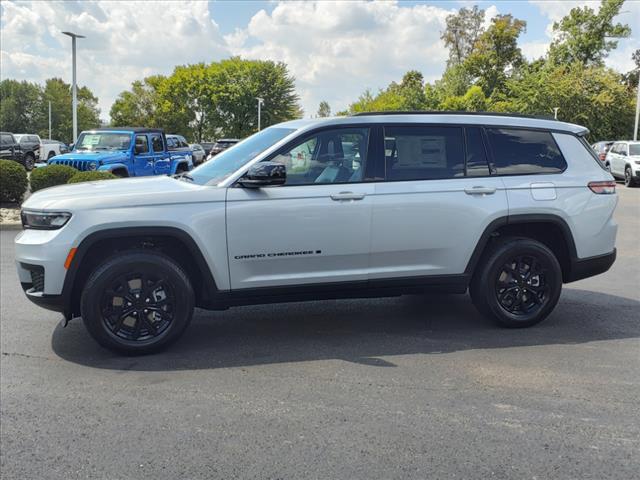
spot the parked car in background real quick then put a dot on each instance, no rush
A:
(507, 207)
(177, 143)
(221, 145)
(601, 148)
(198, 153)
(30, 147)
(10, 148)
(207, 146)
(51, 148)
(623, 161)
(125, 152)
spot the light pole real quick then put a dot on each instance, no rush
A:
(74, 87)
(49, 119)
(260, 102)
(555, 112)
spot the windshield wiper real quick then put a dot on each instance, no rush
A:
(186, 176)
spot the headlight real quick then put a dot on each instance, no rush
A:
(44, 220)
(93, 165)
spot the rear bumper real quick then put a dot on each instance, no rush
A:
(589, 267)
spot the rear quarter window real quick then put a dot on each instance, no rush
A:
(524, 152)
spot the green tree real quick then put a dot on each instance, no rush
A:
(324, 110)
(587, 37)
(20, 106)
(462, 32)
(496, 53)
(59, 94)
(139, 105)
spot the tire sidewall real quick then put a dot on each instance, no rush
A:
(495, 265)
(29, 160)
(100, 280)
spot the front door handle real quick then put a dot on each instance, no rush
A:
(480, 190)
(347, 196)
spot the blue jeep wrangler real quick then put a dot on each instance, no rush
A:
(125, 152)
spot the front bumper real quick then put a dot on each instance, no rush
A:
(50, 302)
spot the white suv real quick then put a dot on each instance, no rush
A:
(365, 206)
(623, 161)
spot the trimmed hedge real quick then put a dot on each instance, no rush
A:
(91, 176)
(13, 181)
(50, 176)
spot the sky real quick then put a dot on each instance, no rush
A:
(335, 50)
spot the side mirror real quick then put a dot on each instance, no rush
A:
(264, 174)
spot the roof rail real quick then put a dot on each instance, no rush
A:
(452, 112)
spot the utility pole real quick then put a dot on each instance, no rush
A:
(74, 87)
(635, 127)
(555, 112)
(49, 119)
(260, 102)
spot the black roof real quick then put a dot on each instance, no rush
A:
(130, 129)
(452, 112)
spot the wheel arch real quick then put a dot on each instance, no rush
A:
(173, 241)
(551, 230)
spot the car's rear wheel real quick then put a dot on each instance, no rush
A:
(51, 155)
(518, 283)
(137, 302)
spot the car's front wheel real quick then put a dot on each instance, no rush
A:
(29, 161)
(628, 178)
(518, 283)
(137, 302)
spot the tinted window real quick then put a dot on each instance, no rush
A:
(6, 139)
(477, 165)
(142, 145)
(331, 156)
(524, 152)
(423, 153)
(634, 149)
(156, 143)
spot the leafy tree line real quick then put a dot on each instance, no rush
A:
(486, 71)
(24, 108)
(208, 101)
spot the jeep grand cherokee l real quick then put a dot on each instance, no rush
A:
(505, 207)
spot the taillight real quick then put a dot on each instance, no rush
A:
(604, 188)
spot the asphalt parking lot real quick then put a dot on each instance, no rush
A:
(407, 387)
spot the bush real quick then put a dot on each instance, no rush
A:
(91, 176)
(51, 176)
(13, 181)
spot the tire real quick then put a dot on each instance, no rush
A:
(137, 302)
(628, 177)
(51, 155)
(121, 173)
(517, 283)
(29, 161)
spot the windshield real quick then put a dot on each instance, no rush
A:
(634, 149)
(103, 141)
(227, 162)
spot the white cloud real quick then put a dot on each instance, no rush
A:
(337, 49)
(125, 41)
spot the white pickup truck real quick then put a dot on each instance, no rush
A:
(51, 148)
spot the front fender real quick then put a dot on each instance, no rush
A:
(110, 167)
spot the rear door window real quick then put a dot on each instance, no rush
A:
(423, 152)
(524, 152)
(156, 143)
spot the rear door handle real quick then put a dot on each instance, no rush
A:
(347, 196)
(480, 191)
